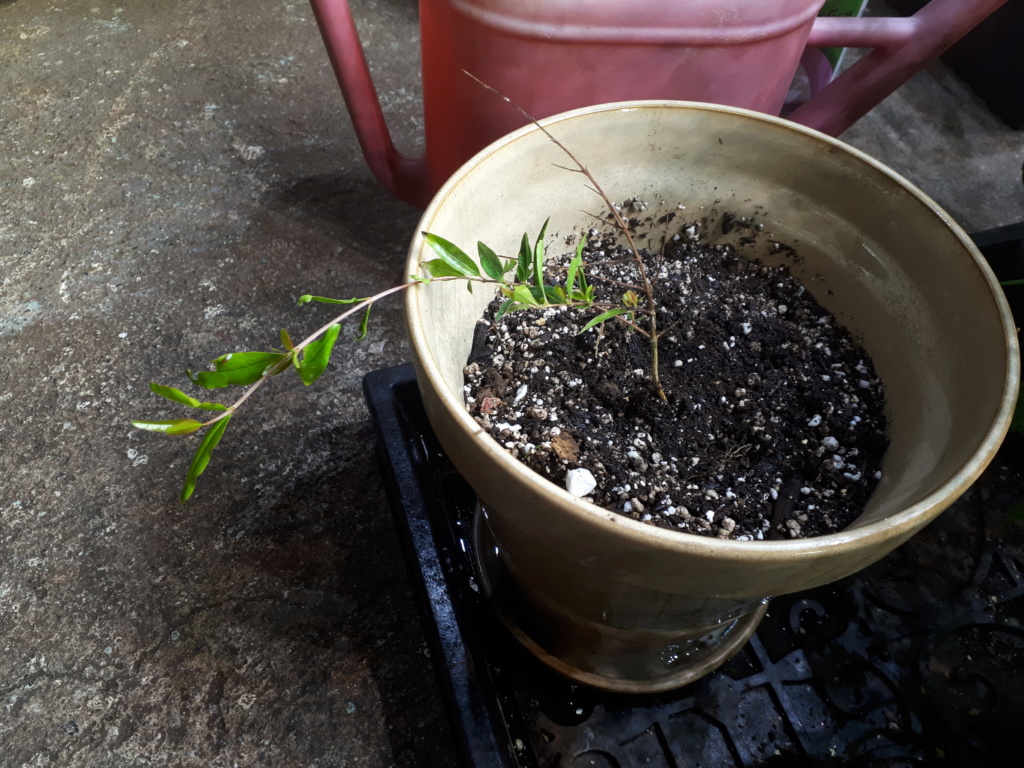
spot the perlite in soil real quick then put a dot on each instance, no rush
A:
(774, 422)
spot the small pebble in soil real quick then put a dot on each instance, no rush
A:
(580, 482)
(774, 421)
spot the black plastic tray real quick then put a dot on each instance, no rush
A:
(917, 660)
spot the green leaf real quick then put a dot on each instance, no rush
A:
(490, 262)
(1008, 283)
(503, 309)
(286, 340)
(418, 279)
(202, 457)
(525, 259)
(518, 307)
(240, 369)
(523, 295)
(305, 299)
(457, 258)
(172, 427)
(180, 397)
(574, 267)
(553, 293)
(244, 361)
(439, 268)
(604, 316)
(366, 321)
(538, 256)
(544, 294)
(317, 354)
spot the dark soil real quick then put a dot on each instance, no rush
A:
(773, 425)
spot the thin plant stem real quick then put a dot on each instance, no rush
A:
(279, 367)
(619, 222)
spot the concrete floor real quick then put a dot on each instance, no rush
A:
(174, 175)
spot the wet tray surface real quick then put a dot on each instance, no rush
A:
(918, 660)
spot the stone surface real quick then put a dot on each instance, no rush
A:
(937, 134)
(174, 175)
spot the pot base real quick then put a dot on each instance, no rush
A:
(602, 656)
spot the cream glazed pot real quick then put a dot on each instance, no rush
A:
(626, 606)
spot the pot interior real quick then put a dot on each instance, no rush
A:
(870, 247)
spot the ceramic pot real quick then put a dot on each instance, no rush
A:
(626, 606)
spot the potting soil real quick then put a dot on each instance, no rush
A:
(773, 426)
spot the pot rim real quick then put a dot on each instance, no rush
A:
(891, 527)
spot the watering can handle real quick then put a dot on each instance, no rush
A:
(404, 177)
(901, 46)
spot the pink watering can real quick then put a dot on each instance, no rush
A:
(550, 56)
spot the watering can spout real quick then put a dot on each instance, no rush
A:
(405, 177)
